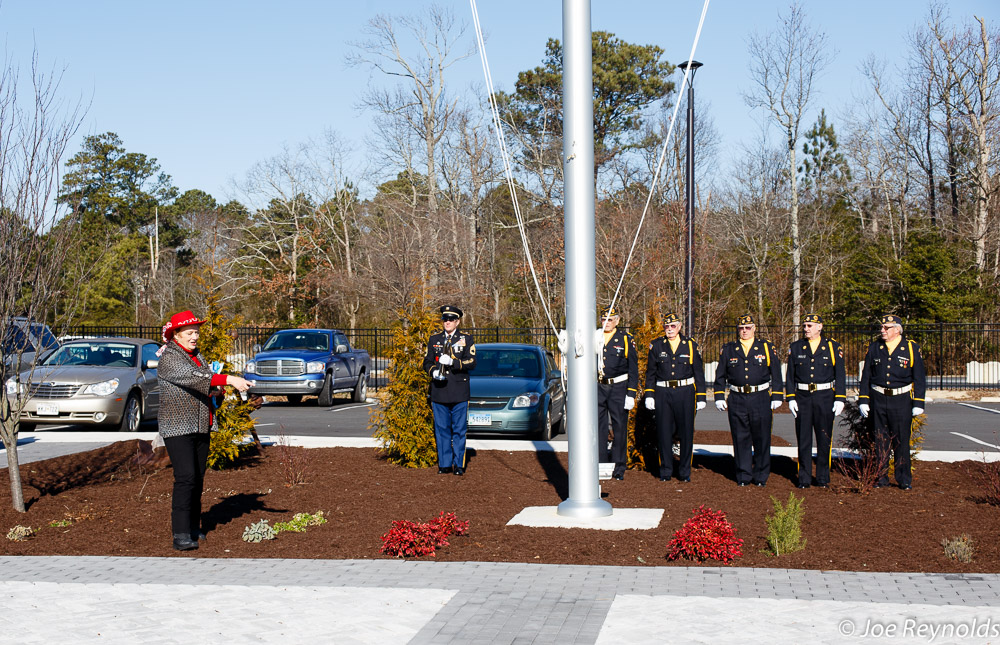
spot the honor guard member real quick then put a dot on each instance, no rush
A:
(815, 387)
(751, 371)
(451, 354)
(617, 380)
(892, 388)
(675, 389)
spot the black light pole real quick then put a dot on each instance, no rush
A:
(693, 65)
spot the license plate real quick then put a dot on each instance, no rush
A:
(47, 409)
(480, 419)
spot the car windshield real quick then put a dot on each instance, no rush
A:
(309, 340)
(95, 355)
(521, 363)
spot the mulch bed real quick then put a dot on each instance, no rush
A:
(118, 507)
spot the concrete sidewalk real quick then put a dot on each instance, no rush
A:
(192, 600)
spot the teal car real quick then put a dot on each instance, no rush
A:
(516, 389)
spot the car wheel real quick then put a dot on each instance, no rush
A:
(560, 425)
(131, 416)
(361, 389)
(326, 392)
(294, 399)
(545, 432)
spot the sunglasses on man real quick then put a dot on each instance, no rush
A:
(449, 317)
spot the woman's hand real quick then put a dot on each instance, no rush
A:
(238, 382)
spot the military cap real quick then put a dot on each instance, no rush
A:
(745, 319)
(450, 310)
(889, 319)
(671, 318)
(609, 312)
(813, 318)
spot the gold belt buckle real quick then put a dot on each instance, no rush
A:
(813, 387)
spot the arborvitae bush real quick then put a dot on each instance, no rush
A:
(784, 528)
(403, 421)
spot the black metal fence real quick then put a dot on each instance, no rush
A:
(956, 355)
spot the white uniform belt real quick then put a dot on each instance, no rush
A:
(812, 387)
(747, 389)
(608, 380)
(687, 381)
(888, 391)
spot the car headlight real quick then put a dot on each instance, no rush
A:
(315, 367)
(104, 388)
(13, 387)
(251, 367)
(525, 400)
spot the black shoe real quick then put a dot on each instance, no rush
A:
(742, 484)
(444, 471)
(822, 485)
(198, 536)
(905, 487)
(618, 476)
(184, 542)
(880, 485)
(459, 470)
(664, 478)
(684, 479)
(760, 484)
(802, 485)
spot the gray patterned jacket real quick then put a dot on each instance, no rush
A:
(185, 407)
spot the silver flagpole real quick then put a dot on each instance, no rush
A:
(581, 306)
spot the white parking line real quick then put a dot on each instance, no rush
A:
(976, 407)
(965, 436)
(350, 407)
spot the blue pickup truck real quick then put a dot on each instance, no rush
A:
(302, 362)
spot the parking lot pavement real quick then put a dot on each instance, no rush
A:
(183, 599)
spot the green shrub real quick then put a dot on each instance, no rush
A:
(784, 528)
(299, 523)
(959, 548)
(403, 421)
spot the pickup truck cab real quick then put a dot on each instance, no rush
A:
(301, 362)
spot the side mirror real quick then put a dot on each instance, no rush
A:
(151, 364)
(555, 374)
(341, 349)
(256, 348)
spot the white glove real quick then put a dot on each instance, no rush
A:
(437, 374)
(599, 342)
(721, 404)
(864, 409)
(650, 403)
(917, 411)
(793, 407)
(700, 405)
(629, 402)
(775, 405)
(562, 340)
(838, 407)
(446, 360)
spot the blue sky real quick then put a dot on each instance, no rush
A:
(210, 88)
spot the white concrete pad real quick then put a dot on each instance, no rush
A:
(621, 519)
(693, 619)
(158, 613)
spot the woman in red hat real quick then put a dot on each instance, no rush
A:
(185, 421)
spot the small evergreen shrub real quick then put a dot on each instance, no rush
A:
(784, 527)
(20, 533)
(959, 548)
(408, 539)
(258, 532)
(708, 535)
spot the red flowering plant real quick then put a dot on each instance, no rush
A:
(408, 539)
(708, 535)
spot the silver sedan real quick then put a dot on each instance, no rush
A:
(100, 381)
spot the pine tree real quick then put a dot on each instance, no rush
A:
(404, 422)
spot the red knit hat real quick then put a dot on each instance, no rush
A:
(179, 320)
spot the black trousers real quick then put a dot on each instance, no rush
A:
(675, 417)
(892, 416)
(189, 457)
(611, 414)
(815, 416)
(750, 424)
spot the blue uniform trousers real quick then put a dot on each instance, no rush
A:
(675, 418)
(815, 415)
(750, 424)
(451, 423)
(892, 416)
